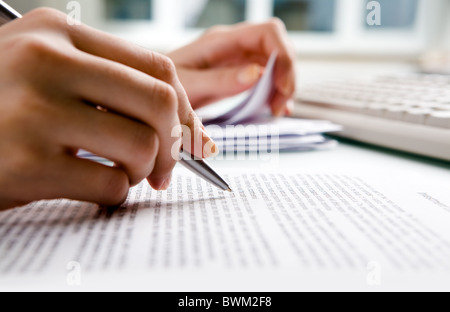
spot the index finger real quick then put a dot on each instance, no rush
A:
(156, 65)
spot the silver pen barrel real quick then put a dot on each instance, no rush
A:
(7, 13)
(202, 169)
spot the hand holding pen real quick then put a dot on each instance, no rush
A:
(50, 70)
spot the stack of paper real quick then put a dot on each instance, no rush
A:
(286, 134)
(244, 124)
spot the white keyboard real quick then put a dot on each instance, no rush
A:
(409, 113)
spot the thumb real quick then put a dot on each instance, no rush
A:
(194, 138)
(209, 85)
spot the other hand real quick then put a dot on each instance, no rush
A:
(227, 60)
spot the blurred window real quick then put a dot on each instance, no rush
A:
(128, 9)
(298, 15)
(207, 13)
(396, 13)
(306, 15)
(323, 26)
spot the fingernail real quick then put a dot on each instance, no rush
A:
(210, 148)
(161, 184)
(279, 112)
(290, 106)
(166, 184)
(250, 74)
(287, 87)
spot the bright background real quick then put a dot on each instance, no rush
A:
(317, 27)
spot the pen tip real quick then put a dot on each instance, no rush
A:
(230, 190)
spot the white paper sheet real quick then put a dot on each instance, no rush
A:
(252, 108)
(286, 134)
(277, 232)
(251, 105)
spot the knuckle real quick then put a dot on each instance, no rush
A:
(47, 16)
(216, 30)
(168, 68)
(169, 99)
(36, 46)
(243, 24)
(276, 24)
(32, 51)
(146, 146)
(164, 66)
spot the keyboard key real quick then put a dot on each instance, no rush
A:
(395, 113)
(338, 103)
(429, 105)
(376, 110)
(417, 115)
(417, 99)
(443, 100)
(439, 119)
(442, 108)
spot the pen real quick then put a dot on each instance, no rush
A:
(7, 13)
(200, 167)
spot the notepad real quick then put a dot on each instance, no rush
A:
(243, 123)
